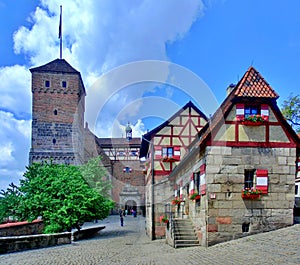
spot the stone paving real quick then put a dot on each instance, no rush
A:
(129, 245)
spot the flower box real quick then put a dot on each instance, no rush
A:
(249, 196)
(169, 159)
(195, 197)
(176, 202)
(252, 123)
(251, 193)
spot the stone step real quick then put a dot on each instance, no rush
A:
(187, 237)
(184, 234)
(186, 243)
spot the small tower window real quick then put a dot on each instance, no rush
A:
(47, 83)
(55, 112)
(54, 141)
(64, 84)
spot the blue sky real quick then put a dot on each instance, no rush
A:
(215, 40)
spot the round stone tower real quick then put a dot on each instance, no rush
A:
(58, 103)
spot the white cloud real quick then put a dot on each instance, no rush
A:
(97, 36)
(14, 147)
(6, 150)
(15, 90)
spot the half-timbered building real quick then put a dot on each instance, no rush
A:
(164, 148)
(238, 175)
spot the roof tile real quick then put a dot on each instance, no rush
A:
(254, 85)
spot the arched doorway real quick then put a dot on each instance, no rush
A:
(130, 206)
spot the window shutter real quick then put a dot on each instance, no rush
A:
(192, 185)
(262, 180)
(180, 193)
(240, 112)
(202, 179)
(157, 152)
(176, 154)
(264, 112)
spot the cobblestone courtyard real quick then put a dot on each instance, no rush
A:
(129, 245)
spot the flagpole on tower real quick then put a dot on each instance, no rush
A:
(60, 33)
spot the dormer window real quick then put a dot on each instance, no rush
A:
(245, 111)
(251, 110)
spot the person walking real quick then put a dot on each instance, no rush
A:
(121, 217)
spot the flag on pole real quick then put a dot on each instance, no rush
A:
(59, 29)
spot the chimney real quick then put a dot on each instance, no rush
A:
(230, 88)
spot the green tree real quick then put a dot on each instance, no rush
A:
(61, 196)
(9, 203)
(97, 176)
(291, 111)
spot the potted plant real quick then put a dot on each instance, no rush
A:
(251, 193)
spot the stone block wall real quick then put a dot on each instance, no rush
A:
(21, 228)
(230, 216)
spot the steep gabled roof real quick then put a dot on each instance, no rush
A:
(254, 85)
(148, 136)
(258, 88)
(57, 66)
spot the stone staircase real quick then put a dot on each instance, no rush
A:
(184, 234)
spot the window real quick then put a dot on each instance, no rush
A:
(197, 181)
(64, 84)
(47, 83)
(55, 112)
(296, 189)
(249, 177)
(54, 141)
(251, 110)
(167, 152)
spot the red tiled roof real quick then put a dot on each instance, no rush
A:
(254, 85)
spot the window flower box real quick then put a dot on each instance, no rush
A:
(176, 202)
(195, 197)
(253, 120)
(251, 194)
(169, 159)
(163, 219)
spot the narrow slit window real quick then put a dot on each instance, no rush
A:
(55, 112)
(248, 178)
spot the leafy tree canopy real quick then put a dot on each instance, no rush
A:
(97, 176)
(61, 196)
(291, 111)
(10, 203)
